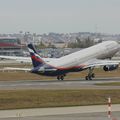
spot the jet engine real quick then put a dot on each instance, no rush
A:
(110, 67)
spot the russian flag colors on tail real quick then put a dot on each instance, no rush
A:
(36, 59)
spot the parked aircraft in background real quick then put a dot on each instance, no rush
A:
(88, 58)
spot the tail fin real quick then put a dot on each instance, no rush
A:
(36, 59)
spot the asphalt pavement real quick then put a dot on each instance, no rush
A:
(98, 112)
(54, 84)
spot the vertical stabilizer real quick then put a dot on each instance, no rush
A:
(36, 59)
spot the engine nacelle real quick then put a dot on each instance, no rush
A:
(110, 67)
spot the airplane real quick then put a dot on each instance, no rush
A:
(88, 58)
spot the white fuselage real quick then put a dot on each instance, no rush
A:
(100, 51)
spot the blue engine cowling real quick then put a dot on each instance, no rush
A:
(110, 67)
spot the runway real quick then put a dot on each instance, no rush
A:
(98, 112)
(54, 84)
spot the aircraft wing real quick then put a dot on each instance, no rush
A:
(24, 59)
(27, 69)
(19, 59)
(12, 57)
(98, 62)
(18, 69)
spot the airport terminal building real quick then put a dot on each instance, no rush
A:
(10, 46)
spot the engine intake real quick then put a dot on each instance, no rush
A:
(110, 67)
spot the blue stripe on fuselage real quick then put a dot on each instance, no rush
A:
(54, 73)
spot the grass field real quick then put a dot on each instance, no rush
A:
(16, 99)
(109, 84)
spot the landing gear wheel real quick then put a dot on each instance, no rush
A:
(90, 74)
(93, 75)
(60, 77)
(86, 77)
(90, 77)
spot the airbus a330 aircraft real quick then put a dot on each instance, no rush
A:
(84, 59)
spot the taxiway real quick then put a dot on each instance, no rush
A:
(98, 112)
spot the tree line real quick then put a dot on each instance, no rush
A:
(82, 43)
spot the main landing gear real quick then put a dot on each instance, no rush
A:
(61, 77)
(90, 74)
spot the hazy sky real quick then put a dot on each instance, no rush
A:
(61, 16)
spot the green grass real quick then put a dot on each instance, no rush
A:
(109, 84)
(16, 99)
